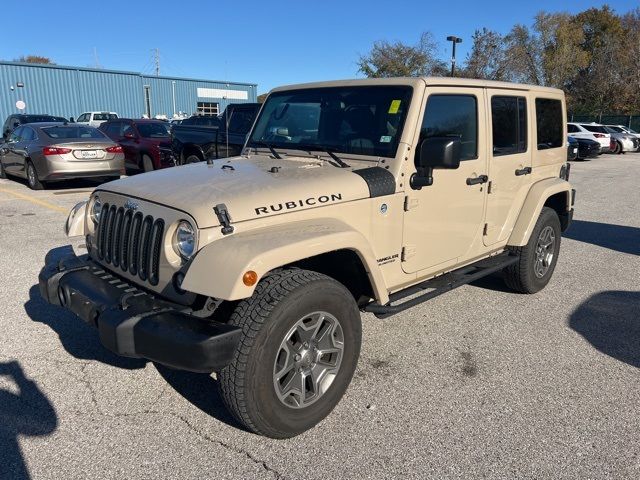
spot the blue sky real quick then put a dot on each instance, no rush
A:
(270, 42)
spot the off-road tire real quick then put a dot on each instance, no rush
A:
(147, 163)
(521, 276)
(280, 300)
(33, 181)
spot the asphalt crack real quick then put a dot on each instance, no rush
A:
(231, 448)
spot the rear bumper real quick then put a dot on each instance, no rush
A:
(51, 169)
(133, 323)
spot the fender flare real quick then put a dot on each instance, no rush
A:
(75, 224)
(530, 211)
(217, 269)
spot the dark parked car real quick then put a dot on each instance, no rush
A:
(14, 121)
(47, 152)
(141, 141)
(572, 149)
(588, 148)
(201, 138)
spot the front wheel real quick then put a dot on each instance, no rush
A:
(301, 336)
(147, 163)
(537, 259)
(617, 149)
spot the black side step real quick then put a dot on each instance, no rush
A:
(442, 284)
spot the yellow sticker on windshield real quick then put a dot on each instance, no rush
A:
(394, 107)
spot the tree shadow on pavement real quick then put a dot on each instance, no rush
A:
(27, 413)
(610, 321)
(620, 238)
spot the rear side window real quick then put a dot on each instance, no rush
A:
(104, 116)
(509, 121)
(28, 134)
(595, 128)
(549, 123)
(453, 116)
(79, 131)
(241, 121)
(572, 128)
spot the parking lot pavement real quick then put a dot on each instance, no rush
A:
(480, 382)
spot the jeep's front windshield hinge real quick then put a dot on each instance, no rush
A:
(223, 217)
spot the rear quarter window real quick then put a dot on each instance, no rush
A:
(549, 123)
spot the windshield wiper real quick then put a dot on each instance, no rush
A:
(320, 148)
(269, 146)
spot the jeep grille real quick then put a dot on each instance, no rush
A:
(131, 241)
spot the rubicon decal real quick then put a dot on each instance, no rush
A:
(292, 205)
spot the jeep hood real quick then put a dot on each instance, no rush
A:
(251, 188)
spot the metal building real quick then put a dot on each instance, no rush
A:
(69, 91)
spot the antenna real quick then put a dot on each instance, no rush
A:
(95, 57)
(156, 58)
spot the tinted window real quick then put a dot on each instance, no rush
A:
(509, 121)
(16, 135)
(595, 128)
(189, 121)
(73, 131)
(572, 128)
(617, 129)
(153, 130)
(241, 121)
(28, 134)
(453, 116)
(104, 116)
(348, 119)
(112, 129)
(549, 123)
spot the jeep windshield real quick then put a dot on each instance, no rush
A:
(357, 120)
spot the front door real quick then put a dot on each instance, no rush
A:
(509, 164)
(12, 160)
(442, 221)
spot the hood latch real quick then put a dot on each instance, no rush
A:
(223, 217)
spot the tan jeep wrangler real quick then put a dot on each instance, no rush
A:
(370, 195)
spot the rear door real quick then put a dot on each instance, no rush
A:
(509, 162)
(130, 146)
(444, 220)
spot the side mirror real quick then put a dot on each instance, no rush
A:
(72, 120)
(16, 125)
(129, 135)
(435, 152)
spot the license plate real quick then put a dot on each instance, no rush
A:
(89, 154)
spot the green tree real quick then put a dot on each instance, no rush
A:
(398, 59)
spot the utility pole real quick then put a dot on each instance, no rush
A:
(454, 40)
(156, 57)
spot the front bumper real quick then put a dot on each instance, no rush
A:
(134, 324)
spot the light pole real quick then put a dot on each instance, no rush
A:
(454, 40)
(173, 87)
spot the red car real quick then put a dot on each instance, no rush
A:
(140, 140)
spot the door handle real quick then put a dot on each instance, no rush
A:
(477, 180)
(523, 171)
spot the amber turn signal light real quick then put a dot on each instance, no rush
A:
(250, 278)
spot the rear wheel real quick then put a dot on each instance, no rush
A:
(537, 259)
(3, 174)
(147, 163)
(301, 335)
(192, 159)
(32, 177)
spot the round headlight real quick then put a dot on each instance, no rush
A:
(184, 241)
(96, 209)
